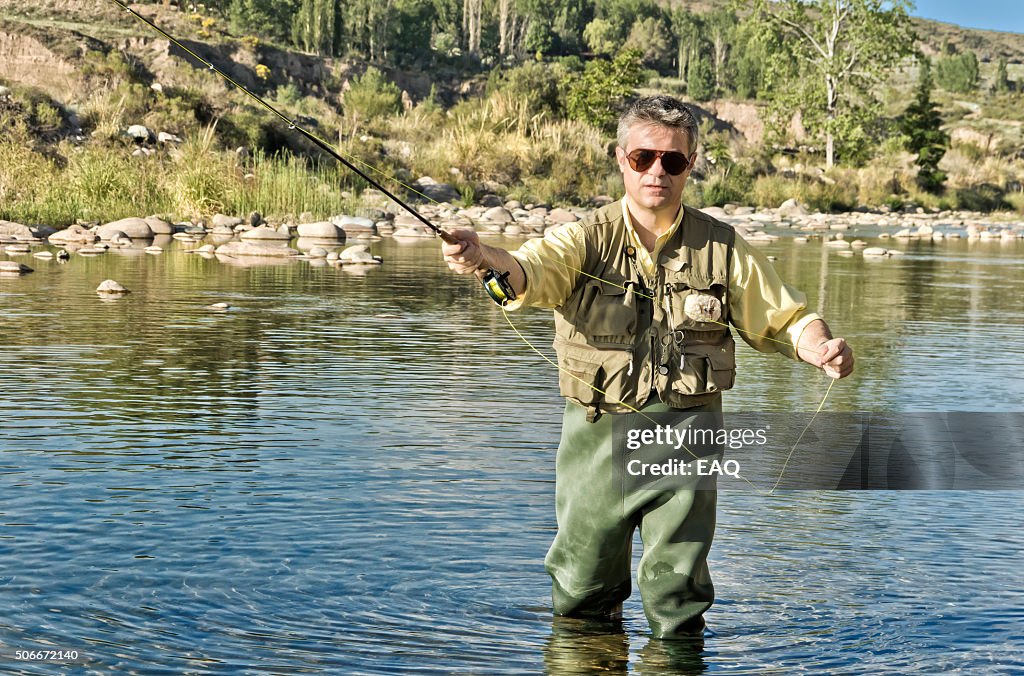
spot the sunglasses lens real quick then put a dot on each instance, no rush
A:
(674, 163)
(641, 160)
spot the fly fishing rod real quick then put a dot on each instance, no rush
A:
(495, 284)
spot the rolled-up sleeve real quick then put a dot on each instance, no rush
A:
(551, 264)
(769, 313)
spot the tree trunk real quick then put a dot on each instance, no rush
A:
(503, 47)
(472, 11)
(830, 146)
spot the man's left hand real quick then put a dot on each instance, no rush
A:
(836, 358)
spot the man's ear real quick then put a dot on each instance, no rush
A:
(620, 157)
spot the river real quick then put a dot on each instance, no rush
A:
(353, 472)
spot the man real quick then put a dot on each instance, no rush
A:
(644, 291)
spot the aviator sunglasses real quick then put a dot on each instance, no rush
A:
(673, 162)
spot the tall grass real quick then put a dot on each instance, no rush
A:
(194, 181)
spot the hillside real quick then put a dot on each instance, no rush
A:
(77, 73)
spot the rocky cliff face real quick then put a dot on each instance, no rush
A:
(43, 58)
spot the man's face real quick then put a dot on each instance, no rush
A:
(654, 189)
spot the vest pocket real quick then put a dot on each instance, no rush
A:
(721, 373)
(577, 379)
(610, 371)
(697, 308)
(703, 369)
(606, 314)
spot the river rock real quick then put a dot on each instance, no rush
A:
(562, 216)
(43, 254)
(167, 137)
(109, 286)
(225, 221)
(499, 215)
(140, 133)
(714, 212)
(257, 248)
(264, 234)
(354, 226)
(17, 248)
(491, 201)
(321, 230)
(10, 230)
(74, 234)
(874, 251)
(13, 268)
(791, 208)
(159, 226)
(359, 254)
(438, 192)
(513, 230)
(838, 244)
(134, 228)
(317, 252)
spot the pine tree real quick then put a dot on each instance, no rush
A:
(1002, 83)
(922, 125)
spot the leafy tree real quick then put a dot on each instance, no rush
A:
(371, 97)
(721, 29)
(922, 125)
(833, 53)
(1002, 83)
(316, 26)
(601, 37)
(958, 73)
(622, 14)
(747, 61)
(700, 78)
(264, 17)
(689, 33)
(594, 96)
(650, 37)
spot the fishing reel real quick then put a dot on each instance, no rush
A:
(498, 287)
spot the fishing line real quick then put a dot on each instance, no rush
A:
(495, 284)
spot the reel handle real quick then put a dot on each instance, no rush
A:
(495, 284)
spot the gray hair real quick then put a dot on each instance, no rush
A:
(661, 110)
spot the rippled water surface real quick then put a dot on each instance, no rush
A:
(353, 472)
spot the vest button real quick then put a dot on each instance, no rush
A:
(663, 370)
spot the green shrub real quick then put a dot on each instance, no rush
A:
(371, 97)
(595, 97)
(771, 190)
(984, 197)
(1015, 200)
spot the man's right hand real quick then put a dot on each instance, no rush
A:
(467, 256)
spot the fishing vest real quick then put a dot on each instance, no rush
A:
(622, 336)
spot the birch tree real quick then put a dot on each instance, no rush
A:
(834, 53)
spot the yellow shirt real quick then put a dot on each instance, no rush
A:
(763, 307)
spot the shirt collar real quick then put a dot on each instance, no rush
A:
(635, 238)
